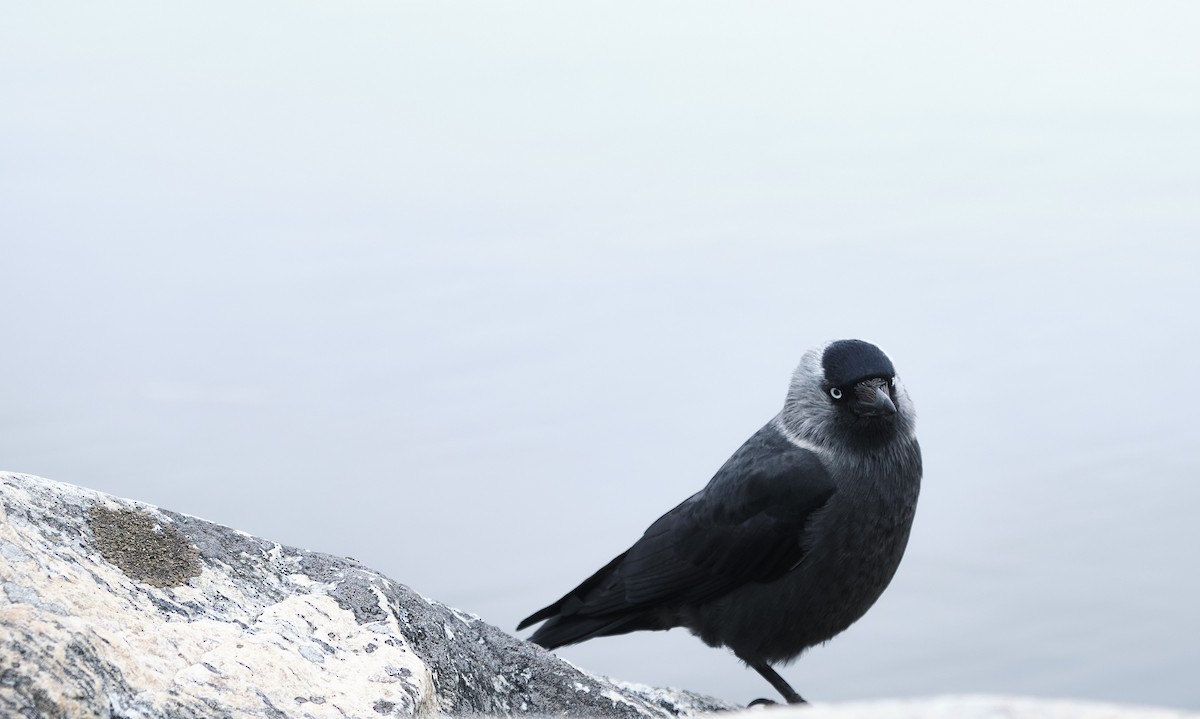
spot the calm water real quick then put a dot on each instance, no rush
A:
(475, 293)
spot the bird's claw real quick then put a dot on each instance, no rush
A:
(760, 702)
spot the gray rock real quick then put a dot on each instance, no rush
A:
(114, 608)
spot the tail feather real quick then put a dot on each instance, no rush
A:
(539, 615)
(567, 621)
(561, 631)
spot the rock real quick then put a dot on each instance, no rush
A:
(115, 608)
(974, 707)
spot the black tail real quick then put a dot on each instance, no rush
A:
(560, 631)
(569, 622)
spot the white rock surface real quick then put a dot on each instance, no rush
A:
(969, 707)
(116, 608)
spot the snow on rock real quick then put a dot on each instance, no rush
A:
(112, 607)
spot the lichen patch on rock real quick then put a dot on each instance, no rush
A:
(142, 547)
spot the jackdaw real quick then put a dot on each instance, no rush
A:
(790, 543)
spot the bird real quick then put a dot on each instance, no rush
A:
(792, 540)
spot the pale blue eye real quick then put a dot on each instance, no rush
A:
(836, 393)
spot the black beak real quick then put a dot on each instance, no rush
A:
(872, 399)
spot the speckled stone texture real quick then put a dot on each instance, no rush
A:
(114, 608)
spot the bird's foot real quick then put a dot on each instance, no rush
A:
(772, 703)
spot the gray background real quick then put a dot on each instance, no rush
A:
(473, 292)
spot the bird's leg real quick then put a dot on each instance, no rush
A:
(777, 681)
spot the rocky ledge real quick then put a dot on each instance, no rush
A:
(114, 608)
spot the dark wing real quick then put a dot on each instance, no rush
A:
(746, 526)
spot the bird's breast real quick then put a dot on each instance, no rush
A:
(854, 545)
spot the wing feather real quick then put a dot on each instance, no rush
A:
(746, 526)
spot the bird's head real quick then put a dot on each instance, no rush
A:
(846, 391)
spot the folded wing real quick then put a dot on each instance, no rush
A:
(746, 526)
